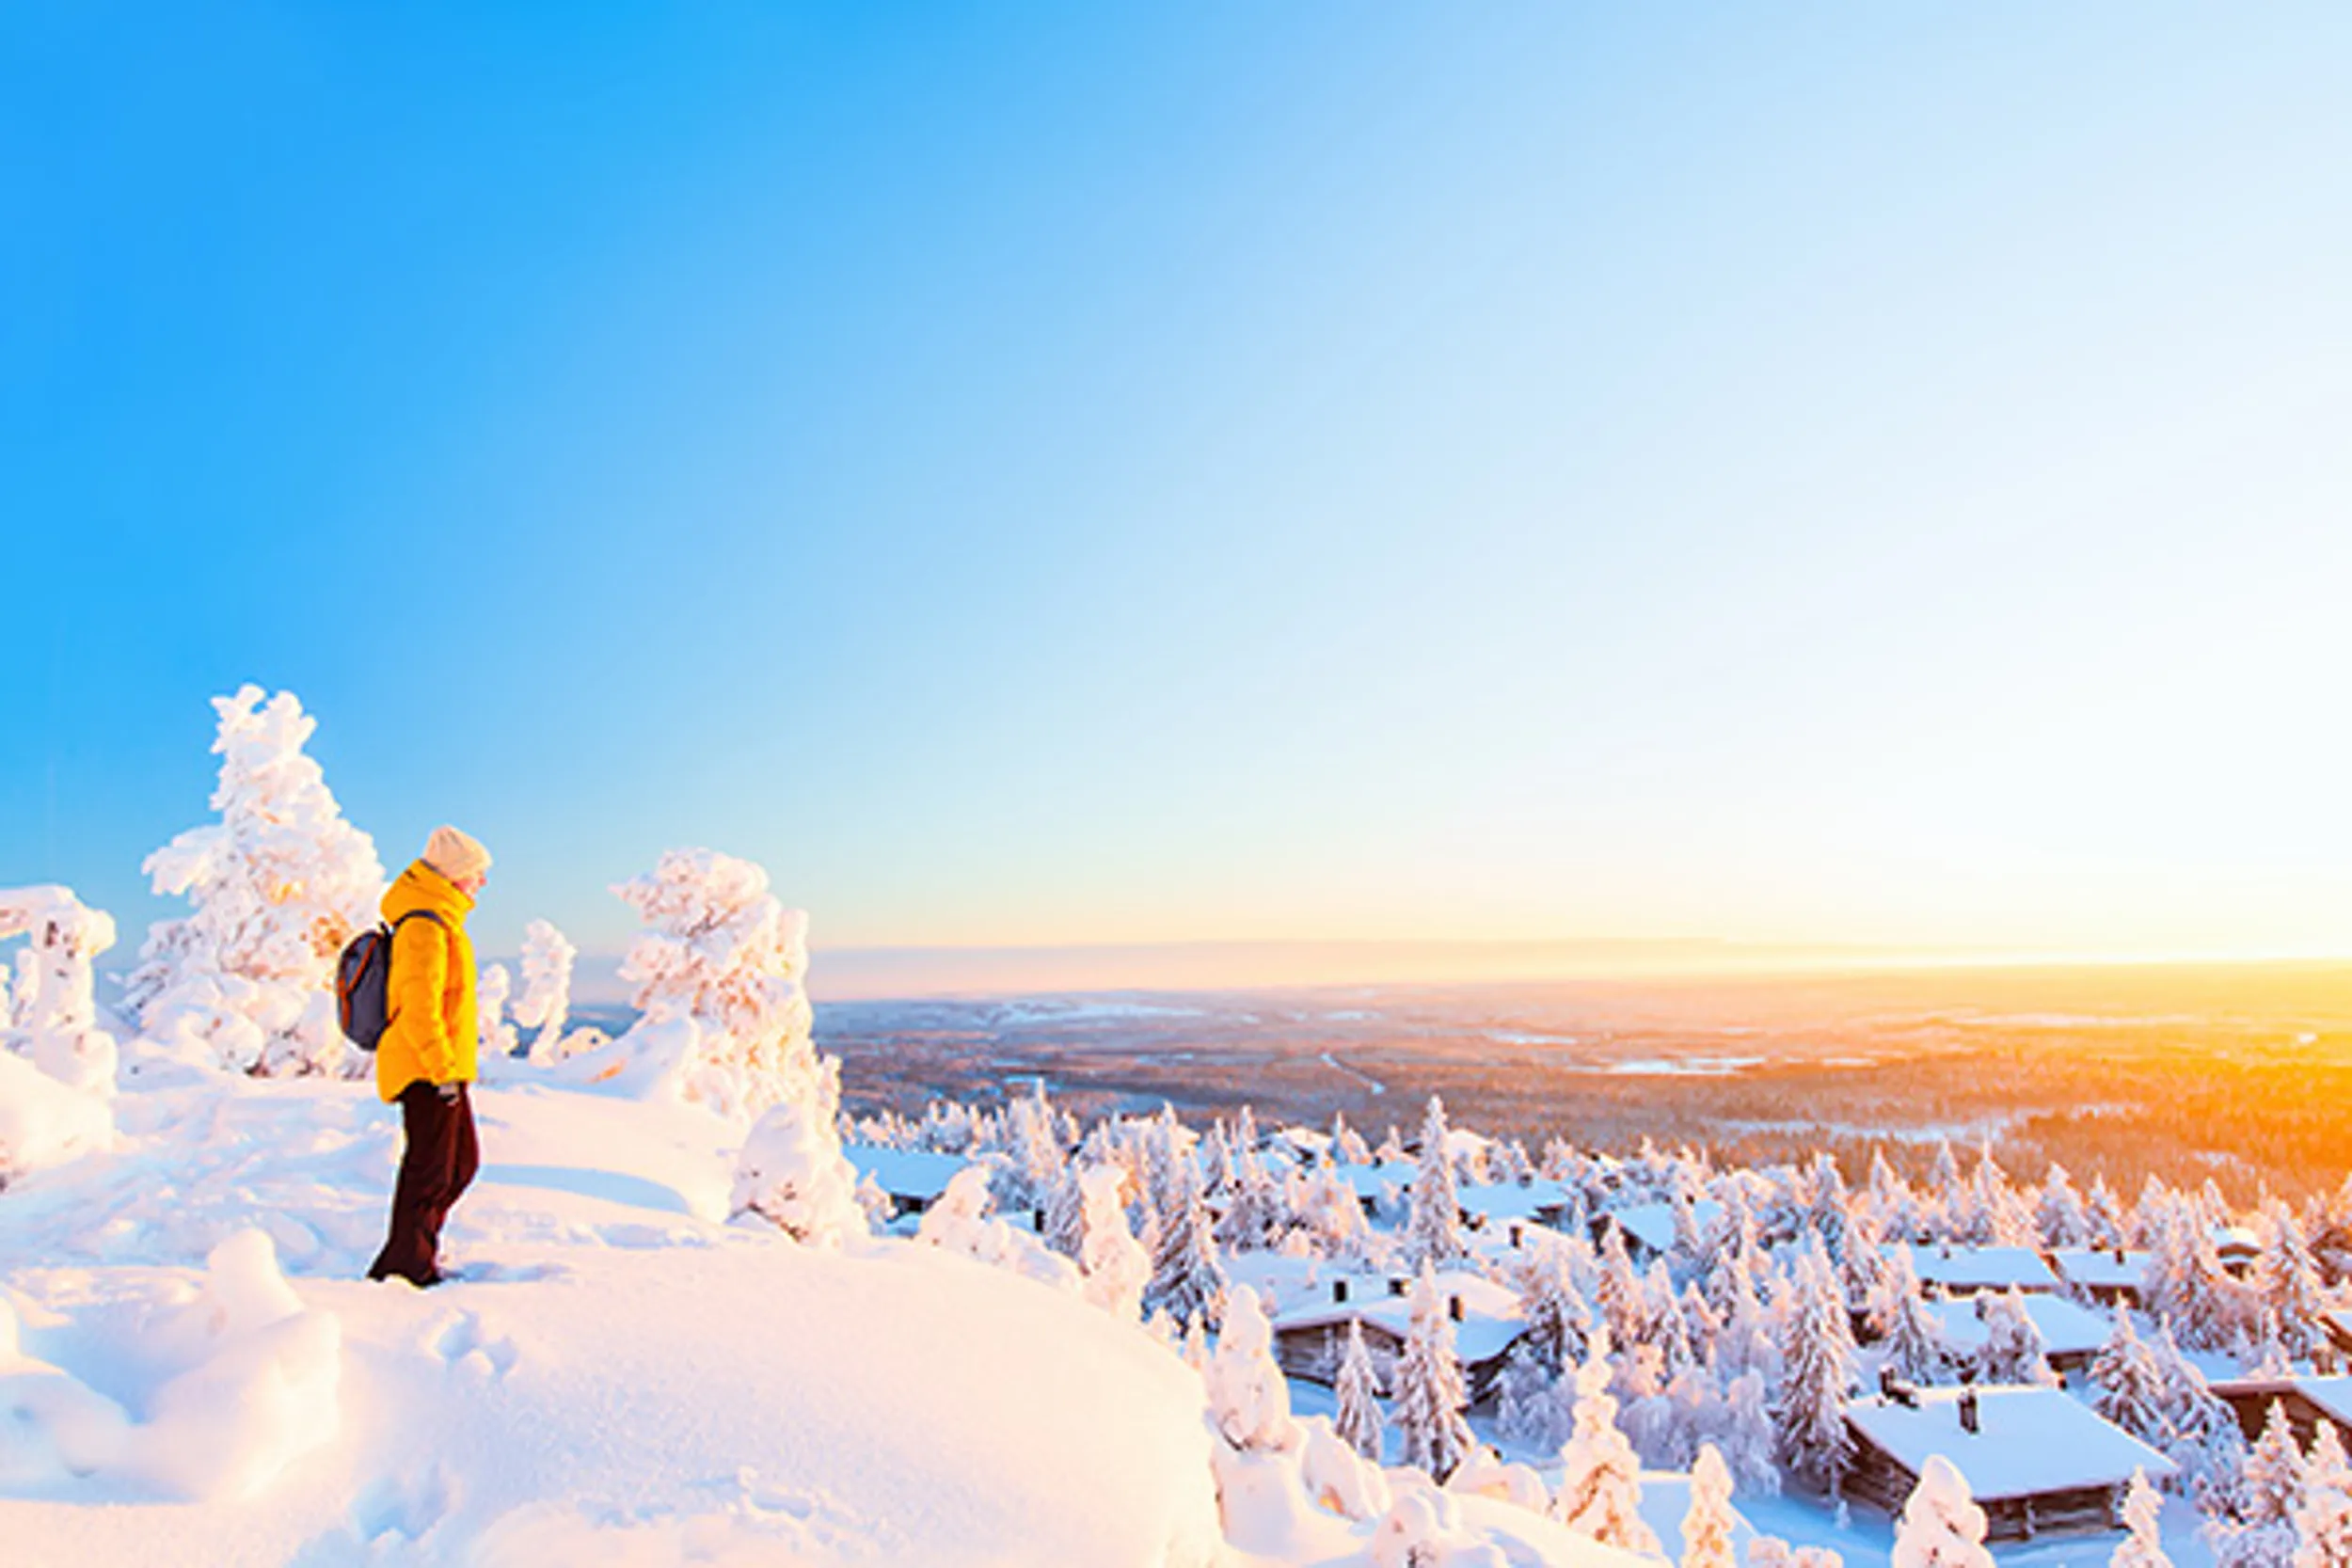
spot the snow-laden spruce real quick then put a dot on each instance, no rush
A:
(277, 886)
(2142, 1545)
(57, 1065)
(1600, 1476)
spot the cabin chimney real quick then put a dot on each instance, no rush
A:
(1339, 1290)
(1969, 1423)
(1454, 1307)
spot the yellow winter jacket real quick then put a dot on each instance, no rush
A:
(429, 1021)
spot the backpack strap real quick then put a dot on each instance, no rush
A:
(414, 915)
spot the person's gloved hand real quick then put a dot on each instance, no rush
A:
(450, 1093)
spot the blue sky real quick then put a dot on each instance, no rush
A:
(1065, 474)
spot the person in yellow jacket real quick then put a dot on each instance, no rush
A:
(425, 1059)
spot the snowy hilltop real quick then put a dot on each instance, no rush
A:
(699, 1314)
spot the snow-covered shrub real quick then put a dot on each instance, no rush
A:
(1338, 1478)
(793, 1174)
(494, 1035)
(719, 971)
(277, 885)
(1423, 1530)
(1941, 1526)
(546, 1003)
(56, 1066)
(1248, 1397)
(959, 1221)
(52, 1015)
(1485, 1474)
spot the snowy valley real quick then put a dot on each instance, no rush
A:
(700, 1314)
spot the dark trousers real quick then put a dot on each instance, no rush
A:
(435, 1166)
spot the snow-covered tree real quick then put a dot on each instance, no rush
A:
(1600, 1478)
(1253, 1215)
(1624, 1304)
(1432, 1235)
(1747, 1435)
(494, 1035)
(1817, 1357)
(1249, 1398)
(2286, 1283)
(1429, 1396)
(50, 1016)
(1558, 1318)
(277, 886)
(1065, 1211)
(1186, 1277)
(1529, 1410)
(56, 1066)
(1033, 1152)
(719, 971)
(546, 1004)
(1941, 1526)
(1115, 1266)
(2129, 1384)
(1910, 1338)
(2201, 1432)
(2105, 1225)
(2058, 1218)
(2323, 1515)
(1706, 1525)
(2274, 1472)
(2142, 1545)
(2012, 1350)
(1358, 1422)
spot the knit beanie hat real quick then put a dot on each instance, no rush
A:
(456, 855)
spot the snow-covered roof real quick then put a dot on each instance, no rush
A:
(2030, 1441)
(916, 1173)
(2332, 1395)
(1375, 1181)
(1510, 1200)
(1491, 1312)
(2066, 1329)
(2095, 1269)
(2236, 1240)
(1967, 1268)
(1653, 1224)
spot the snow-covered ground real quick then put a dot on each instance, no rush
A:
(619, 1377)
